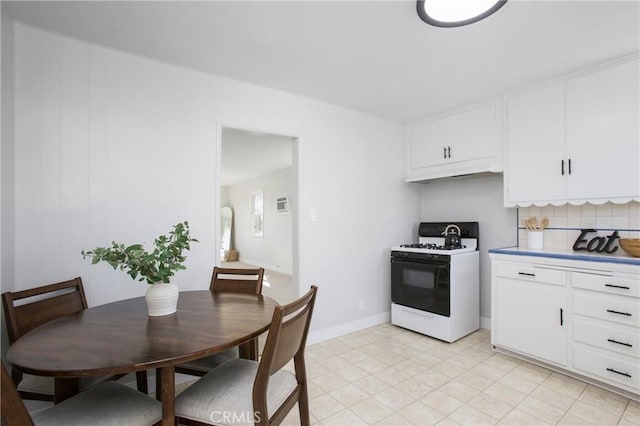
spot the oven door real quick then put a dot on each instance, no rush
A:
(421, 285)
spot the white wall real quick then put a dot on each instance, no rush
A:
(112, 146)
(479, 199)
(274, 249)
(224, 196)
(6, 168)
(6, 156)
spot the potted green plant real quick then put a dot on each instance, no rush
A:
(155, 267)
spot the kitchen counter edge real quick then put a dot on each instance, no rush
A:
(518, 251)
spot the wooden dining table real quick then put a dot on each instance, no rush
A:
(120, 337)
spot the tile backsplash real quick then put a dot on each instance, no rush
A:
(567, 221)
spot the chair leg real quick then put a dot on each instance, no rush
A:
(303, 406)
(141, 381)
(16, 375)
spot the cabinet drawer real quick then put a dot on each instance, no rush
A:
(611, 368)
(526, 272)
(608, 307)
(608, 336)
(613, 285)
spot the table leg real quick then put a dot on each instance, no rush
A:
(64, 388)
(249, 349)
(165, 393)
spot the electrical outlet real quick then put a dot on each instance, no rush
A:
(361, 304)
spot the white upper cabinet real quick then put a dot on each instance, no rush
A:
(603, 133)
(460, 142)
(575, 141)
(536, 146)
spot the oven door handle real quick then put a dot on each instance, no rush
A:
(437, 264)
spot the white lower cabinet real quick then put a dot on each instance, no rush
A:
(578, 317)
(533, 314)
(607, 368)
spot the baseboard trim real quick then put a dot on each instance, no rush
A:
(485, 323)
(318, 336)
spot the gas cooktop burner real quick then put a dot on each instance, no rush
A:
(432, 246)
(418, 245)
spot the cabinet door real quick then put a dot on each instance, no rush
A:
(473, 134)
(529, 319)
(603, 133)
(460, 143)
(536, 144)
(427, 143)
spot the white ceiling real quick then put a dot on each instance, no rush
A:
(247, 155)
(373, 56)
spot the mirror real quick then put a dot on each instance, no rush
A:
(226, 218)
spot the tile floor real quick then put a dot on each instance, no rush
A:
(386, 375)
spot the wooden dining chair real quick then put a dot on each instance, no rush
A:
(237, 280)
(225, 280)
(27, 309)
(109, 403)
(251, 392)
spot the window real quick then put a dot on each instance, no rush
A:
(257, 213)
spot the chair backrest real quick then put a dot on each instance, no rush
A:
(49, 302)
(13, 410)
(286, 339)
(237, 280)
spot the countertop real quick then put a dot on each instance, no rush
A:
(619, 257)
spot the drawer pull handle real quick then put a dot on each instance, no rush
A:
(618, 286)
(620, 343)
(618, 312)
(561, 316)
(527, 274)
(619, 372)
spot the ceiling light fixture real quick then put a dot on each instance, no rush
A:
(456, 13)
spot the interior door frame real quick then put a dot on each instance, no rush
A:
(293, 200)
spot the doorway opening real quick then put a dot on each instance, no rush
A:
(258, 171)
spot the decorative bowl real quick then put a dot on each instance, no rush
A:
(631, 246)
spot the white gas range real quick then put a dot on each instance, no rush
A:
(435, 284)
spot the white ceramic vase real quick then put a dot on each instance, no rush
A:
(162, 299)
